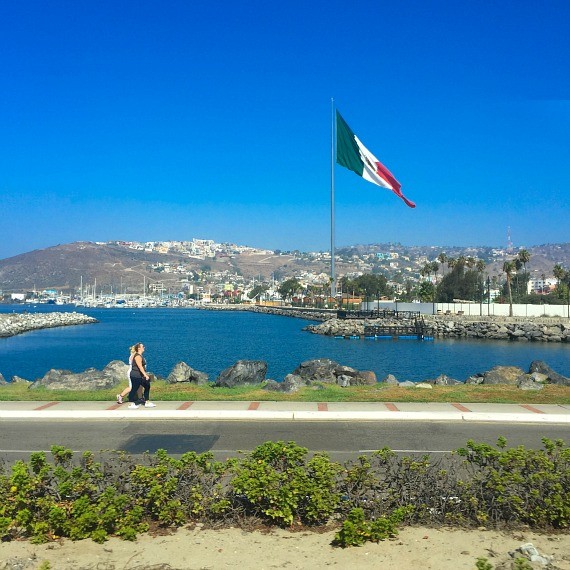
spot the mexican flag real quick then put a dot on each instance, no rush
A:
(352, 154)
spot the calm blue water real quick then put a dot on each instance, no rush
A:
(213, 340)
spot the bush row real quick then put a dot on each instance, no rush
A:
(279, 483)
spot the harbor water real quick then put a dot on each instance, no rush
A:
(210, 341)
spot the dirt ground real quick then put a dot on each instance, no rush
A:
(201, 549)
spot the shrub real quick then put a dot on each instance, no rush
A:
(518, 485)
(277, 482)
(356, 530)
(280, 484)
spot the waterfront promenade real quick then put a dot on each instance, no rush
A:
(289, 411)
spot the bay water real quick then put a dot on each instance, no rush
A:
(210, 341)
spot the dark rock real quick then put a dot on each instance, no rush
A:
(117, 369)
(355, 377)
(475, 379)
(242, 373)
(329, 371)
(539, 377)
(273, 386)
(343, 380)
(113, 374)
(553, 377)
(292, 383)
(527, 382)
(443, 380)
(510, 375)
(318, 370)
(390, 379)
(340, 370)
(364, 378)
(18, 379)
(184, 373)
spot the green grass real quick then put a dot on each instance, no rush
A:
(499, 394)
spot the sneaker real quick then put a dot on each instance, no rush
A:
(149, 405)
(119, 399)
(133, 406)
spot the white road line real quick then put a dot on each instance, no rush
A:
(404, 451)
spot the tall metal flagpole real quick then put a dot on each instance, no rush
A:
(333, 276)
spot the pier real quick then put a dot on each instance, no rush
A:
(397, 325)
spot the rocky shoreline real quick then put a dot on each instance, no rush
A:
(439, 326)
(537, 329)
(16, 323)
(313, 373)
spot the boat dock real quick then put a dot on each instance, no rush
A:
(403, 325)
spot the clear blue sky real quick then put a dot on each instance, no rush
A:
(156, 120)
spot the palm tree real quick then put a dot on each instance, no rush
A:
(524, 257)
(480, 267)
(451, 262)
(518, 264)
(434, 267)
(508, 268)
(426, 270)
(442, 258)
(559, 273)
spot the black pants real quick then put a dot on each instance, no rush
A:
(140, 392)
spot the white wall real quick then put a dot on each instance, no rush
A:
(474, 309)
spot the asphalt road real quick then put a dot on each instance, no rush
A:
(343, 440)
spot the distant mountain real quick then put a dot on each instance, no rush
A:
(123, 269)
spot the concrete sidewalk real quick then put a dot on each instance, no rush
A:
(318, 411)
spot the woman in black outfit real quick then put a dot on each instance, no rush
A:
(140, 380)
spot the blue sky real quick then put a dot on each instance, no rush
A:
(157, 120)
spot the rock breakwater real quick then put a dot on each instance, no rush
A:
(309, 313)
(16, 323)
(502, 328)
(492, 328)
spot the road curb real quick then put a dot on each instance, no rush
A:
(252, 415)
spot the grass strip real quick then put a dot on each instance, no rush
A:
(497, 394)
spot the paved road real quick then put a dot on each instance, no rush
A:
(341, 439)
(344, 430)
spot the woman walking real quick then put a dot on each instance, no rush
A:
(129, 387)
(140, 380)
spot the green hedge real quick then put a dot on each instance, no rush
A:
(279, 483)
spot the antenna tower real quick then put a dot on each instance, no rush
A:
(509, 242)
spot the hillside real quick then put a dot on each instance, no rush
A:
(66, 267)
(123, 269)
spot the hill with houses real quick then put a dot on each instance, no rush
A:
(171, 266)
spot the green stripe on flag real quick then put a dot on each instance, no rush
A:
(347, 153)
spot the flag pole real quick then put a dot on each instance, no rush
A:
(333, 276)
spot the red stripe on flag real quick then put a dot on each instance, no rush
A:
(384, 173)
